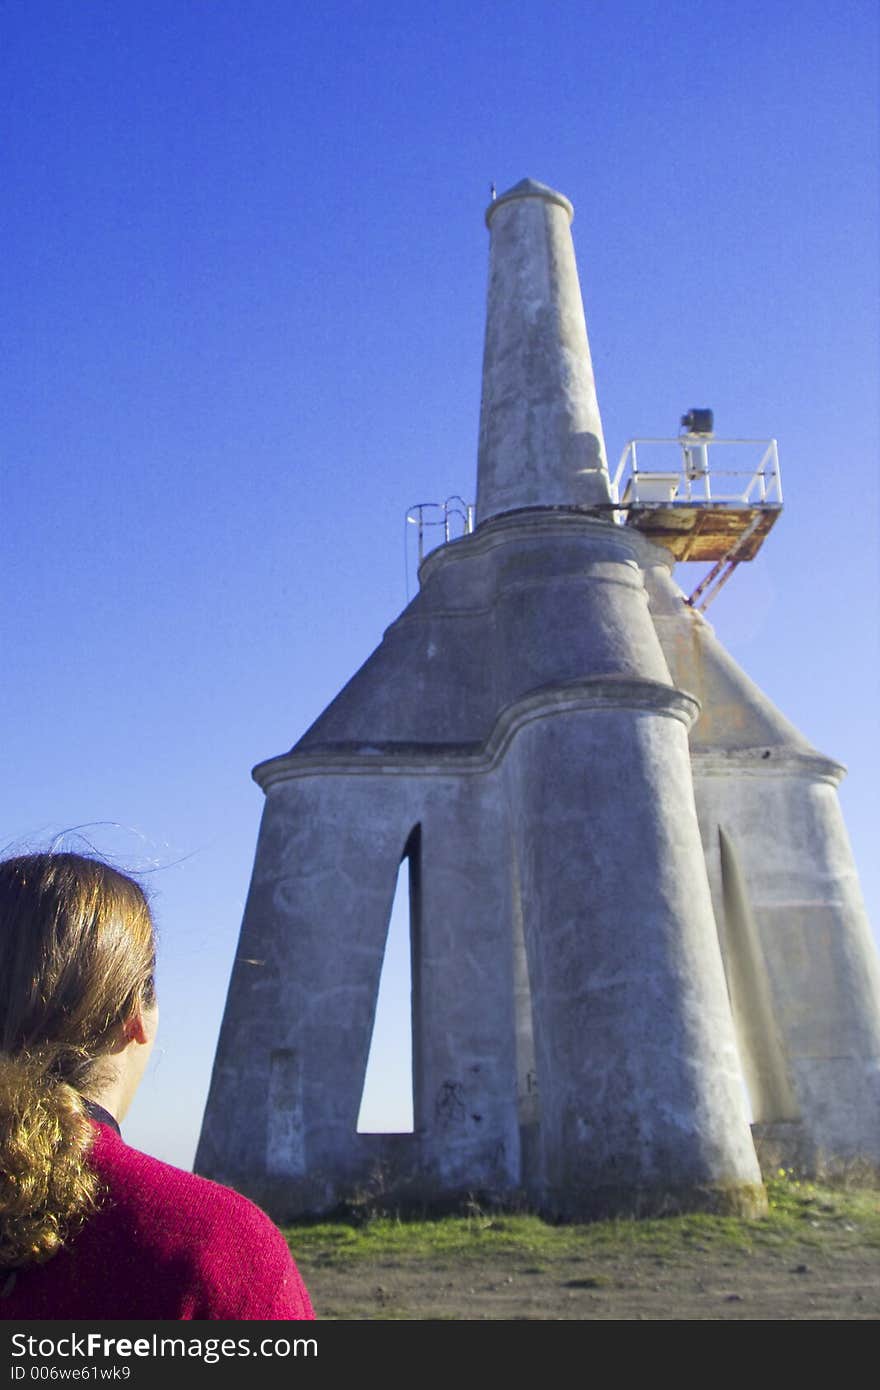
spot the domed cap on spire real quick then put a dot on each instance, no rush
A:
(530, 188)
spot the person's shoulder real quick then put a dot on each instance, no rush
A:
(130, 1173)
(240, 1264)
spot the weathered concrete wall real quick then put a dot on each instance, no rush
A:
(281, 1120)
(466, 1090)
(768, 796)
(303, 991)
(821, 961)
(640, 1103)
(528, 1102)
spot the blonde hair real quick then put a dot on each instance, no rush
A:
(77, 958)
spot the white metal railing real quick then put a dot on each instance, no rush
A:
(684, 475)
(439, 522)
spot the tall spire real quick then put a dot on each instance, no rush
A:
(541, 441)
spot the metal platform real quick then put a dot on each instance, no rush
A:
(719, 511)
(707, 531)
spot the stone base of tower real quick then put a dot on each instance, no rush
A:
(393, 1181)
(380, 1173)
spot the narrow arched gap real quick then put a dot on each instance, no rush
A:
(765, 1074)
(387, 1100)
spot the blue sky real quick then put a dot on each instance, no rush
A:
(243, 285)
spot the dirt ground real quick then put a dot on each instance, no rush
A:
(830, 1275)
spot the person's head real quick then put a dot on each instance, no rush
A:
(77, 1014)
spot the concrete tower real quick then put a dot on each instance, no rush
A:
(521, 737)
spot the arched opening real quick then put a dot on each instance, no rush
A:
(765, 1079)
(387, 1099)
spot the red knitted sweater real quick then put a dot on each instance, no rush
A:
(165, 1245)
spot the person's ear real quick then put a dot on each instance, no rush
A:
(133, 1030)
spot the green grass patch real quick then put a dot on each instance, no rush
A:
(800, 1212)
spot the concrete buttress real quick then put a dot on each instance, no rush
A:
(802, 967)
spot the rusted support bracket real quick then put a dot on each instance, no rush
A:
(714, 581)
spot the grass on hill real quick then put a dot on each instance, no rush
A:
(801, 1213)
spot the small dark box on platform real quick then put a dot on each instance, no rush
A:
(698, 422)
